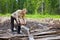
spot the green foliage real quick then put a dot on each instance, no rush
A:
(37, 16)
(52, 6)
(33, 6)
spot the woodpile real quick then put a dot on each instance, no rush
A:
(38, 28)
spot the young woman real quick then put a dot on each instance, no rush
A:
(19, 17)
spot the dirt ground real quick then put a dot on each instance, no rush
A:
(32, 23)
(42, 25)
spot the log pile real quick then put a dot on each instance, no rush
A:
(38, 28)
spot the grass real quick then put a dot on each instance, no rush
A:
(5, 15)
(34, 16)
(43, 16)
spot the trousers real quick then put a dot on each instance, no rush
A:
(12, 25)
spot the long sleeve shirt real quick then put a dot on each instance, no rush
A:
(18, 15)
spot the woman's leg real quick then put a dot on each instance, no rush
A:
(12, 24)
(19, 28)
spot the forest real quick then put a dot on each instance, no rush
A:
(43, 7)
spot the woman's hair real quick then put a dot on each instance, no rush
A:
(24, 10)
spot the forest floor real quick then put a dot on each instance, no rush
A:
(41, 29)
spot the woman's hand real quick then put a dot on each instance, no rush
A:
(22, 21)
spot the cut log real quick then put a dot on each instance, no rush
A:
(46, 33)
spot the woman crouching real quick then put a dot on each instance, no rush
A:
(19, 17)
